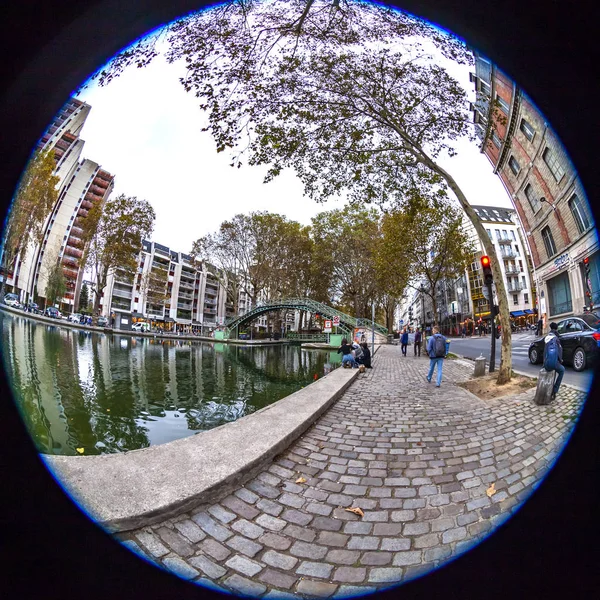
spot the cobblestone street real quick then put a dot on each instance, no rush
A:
(418, 460)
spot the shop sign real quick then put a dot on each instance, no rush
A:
(562, 260)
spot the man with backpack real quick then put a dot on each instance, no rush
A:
(436, 348)
(553, 357)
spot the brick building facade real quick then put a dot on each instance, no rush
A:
(545, 189)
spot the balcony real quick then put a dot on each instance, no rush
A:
(502, 240)
(70, 274)
(186, 286)
(185, 296)
(86, 204)
(513, 270)
(184, 306)
(515, 287)
(508, 254)
(210, 311)
(122, 293)
(70, 251)
(75, 242)
(210, 302)
(76, 230)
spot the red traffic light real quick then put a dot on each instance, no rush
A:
(586, 260)
(485, 260)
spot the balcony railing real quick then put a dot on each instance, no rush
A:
(502, 240)
(185, 296)
(86, 204)
(122, 293)
(512, 270)
(508, 253)
(210, 311)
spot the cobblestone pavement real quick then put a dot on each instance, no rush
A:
(418, 460)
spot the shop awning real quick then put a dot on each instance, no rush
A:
(517, 313)
(529, 311)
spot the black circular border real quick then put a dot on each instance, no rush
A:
(50, 548)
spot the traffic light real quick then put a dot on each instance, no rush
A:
(486, 266)
(496, 310)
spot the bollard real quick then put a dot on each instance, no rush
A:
(545, 384)
(479, 366)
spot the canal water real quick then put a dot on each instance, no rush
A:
(90, 393)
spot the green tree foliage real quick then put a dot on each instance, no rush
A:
(84, 297)
(35, 196)
(428, 242)
(123, 224)
(340, 92)
(56, 287)
(347, 239)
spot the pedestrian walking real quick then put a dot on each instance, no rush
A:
(404, 341)
(346, 351)
(418, 339)
(436, 348)
(540, 326)
(553, 357)
(464, 332)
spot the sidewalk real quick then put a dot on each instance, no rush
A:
(418, 460)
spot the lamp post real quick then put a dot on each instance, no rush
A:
(373, 328)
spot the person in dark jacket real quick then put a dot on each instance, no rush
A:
(434, 357)
(559, 368)
(365, 358)
(346, 350)
(404, 341)
(418, 340)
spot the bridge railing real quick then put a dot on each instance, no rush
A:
(305, 337)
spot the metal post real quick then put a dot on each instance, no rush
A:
(372, 329)
(493, 350)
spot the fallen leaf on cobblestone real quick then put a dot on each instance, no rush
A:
(80, 450)
(300, 480)
(356, 511)
(491, 490)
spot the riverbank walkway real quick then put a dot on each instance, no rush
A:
(432, 469)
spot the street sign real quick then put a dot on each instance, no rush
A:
(336, 321)
(327, 328)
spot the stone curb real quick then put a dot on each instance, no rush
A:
(524, 374)
(142, 487)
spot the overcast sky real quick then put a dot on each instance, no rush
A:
(145, 129)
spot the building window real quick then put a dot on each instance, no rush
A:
(517, 249)
(489, 233)
(504, 107)
(553, 163)
(548, 242)
(524, 281)
(559, 295)
(533, 201)
(484, 88)
(526, 298)
(514, 165)
(521, 265)
(515, 298)
(527, 129)
(512, 233)
(579, 213)
(496, 139)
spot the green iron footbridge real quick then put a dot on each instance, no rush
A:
(346, 326)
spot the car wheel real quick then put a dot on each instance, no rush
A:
(534, 355)
(579, 359)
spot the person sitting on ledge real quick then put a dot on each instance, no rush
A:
(346, 351)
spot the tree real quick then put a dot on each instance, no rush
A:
(154, 286)
(346, 242)
(56, 286)
(116, 242)
(35, 196)
(304, 86)
(84, 297)
(427, 241)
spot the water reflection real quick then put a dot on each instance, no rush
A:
(91, 393)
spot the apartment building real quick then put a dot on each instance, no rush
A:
(171, 291)
(81, 184)
(546, 191)
(503, 229)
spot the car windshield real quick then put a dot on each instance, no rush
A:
(592, 319)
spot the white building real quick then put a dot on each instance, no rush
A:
(501, 225)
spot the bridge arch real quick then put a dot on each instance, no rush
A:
(347, 323)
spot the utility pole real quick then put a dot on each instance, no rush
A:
(488, 279)
(373, 328)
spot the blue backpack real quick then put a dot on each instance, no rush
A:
(551, 352)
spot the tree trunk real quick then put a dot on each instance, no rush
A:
(505, 370)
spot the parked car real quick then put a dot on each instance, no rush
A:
(74, 318)
(140, 326)
(580, 339)
(102, 322)
(32, 307)
(53, 312)
(12, 300)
